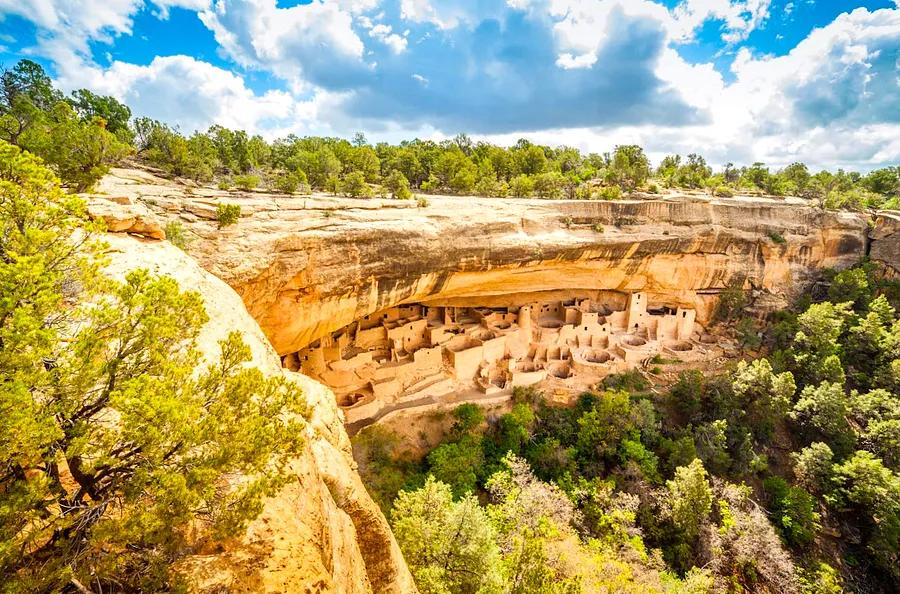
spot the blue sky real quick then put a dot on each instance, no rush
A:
(737, 80)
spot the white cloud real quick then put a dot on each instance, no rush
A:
(77, 22)
(384, 34)
(286, 41)
(192, 94)
(447, 15)
(165, 5)
(830, 101)
(567, 61)
(740, 17)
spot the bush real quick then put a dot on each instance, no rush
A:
(422, 202)
(227, 214)
(731, 303)
(521, 186)
(793, 511)
(549, 185)
(609, 193)
(288, 183)
(398, 185)
(355, 185)
(598, 228)
(246, 182)
(79, 152)
(177, 235)
(723, 192)
(653, 189)
(776, 237)
(224, 184)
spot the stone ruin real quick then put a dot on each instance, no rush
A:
(411, 353)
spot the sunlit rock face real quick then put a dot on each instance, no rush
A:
(885, 243)
(303, 275)
(322, 532)
(306, 266)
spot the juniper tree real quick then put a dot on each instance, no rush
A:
(112, 441)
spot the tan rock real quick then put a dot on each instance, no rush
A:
(885, 242)
(122, 216)
(304, 274)
(322, 532)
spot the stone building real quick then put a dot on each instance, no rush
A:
(411, 352)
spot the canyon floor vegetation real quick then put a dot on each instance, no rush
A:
(778, 475)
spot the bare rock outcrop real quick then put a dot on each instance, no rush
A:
(306, 266)
(303, 273)
(122, 215)
(322, 532)
(885, 242)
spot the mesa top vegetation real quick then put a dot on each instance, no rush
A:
(82, 135)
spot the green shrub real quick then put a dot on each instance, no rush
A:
(521, 186)
(246, 182)
(398, 185)
(723, 192)
(227, 214)
(355, 185)
(224, 184)
(286, 182)
(793, 511)
(421, 201)
(609, 193)
(630, 381)
(177, 234)
(549, 184)
(653, 189)
(776, 237)
(584, 192)
(598, 228)
(731, 303)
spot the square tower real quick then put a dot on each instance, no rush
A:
(636, 310)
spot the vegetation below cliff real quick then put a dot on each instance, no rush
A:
(779, 475)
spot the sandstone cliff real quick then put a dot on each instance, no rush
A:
(305, 266)
(322, 533)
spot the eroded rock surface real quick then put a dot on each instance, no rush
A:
(322, 532)
(885, 242)
(306, 266)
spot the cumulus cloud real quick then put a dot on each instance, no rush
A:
(739, 17)
(77, 22)
(313, 42)
(384, 34)
(192, 94)
(590, 73)
(508, 76)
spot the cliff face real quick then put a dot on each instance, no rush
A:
(322, 532)
(304, 267)
(885, 243)
(307, 266)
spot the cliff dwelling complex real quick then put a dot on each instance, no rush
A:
(411, 353)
